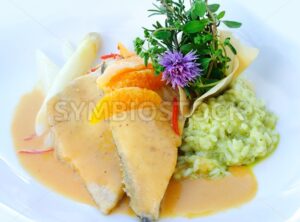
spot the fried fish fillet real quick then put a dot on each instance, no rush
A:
(147, 147)
(89, 149)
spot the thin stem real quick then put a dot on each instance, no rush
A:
(225, 53)
(210, 84)
(167, 6)
(211, 65)
(176, 41)
(162, 29)
(213, 25)
(214, 31)
(224, 50)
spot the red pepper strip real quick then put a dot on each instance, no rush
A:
(31, 137)
(175, 115)
(110, 56)
(94, 69)
(35, 151)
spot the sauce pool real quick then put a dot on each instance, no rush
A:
(188, 198)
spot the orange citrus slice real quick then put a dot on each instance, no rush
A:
(131, 64)
(123, 100)
(124, 52)
(141, 78)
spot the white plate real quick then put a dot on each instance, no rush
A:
(30, 24)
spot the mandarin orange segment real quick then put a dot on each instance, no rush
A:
(122, 100)
(141, 78)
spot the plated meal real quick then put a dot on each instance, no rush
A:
(167, 129)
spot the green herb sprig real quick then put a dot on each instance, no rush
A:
(185, 30)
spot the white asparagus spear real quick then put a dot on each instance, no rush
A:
(79, 64)
(47, 71)
(67, 50)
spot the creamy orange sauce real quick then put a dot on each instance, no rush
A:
(44, 167)
(201, 197)
(188, 198)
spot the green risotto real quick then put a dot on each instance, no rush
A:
(232, 129)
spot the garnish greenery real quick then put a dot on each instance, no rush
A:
(186, 29)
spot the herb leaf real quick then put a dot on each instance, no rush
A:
(199, 9)
(221, 15)
(189, 29)
(186, 48)
(232, 24)
(194, 27)
(213, 7)
(163, 35)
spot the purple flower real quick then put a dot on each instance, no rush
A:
(179, 69)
